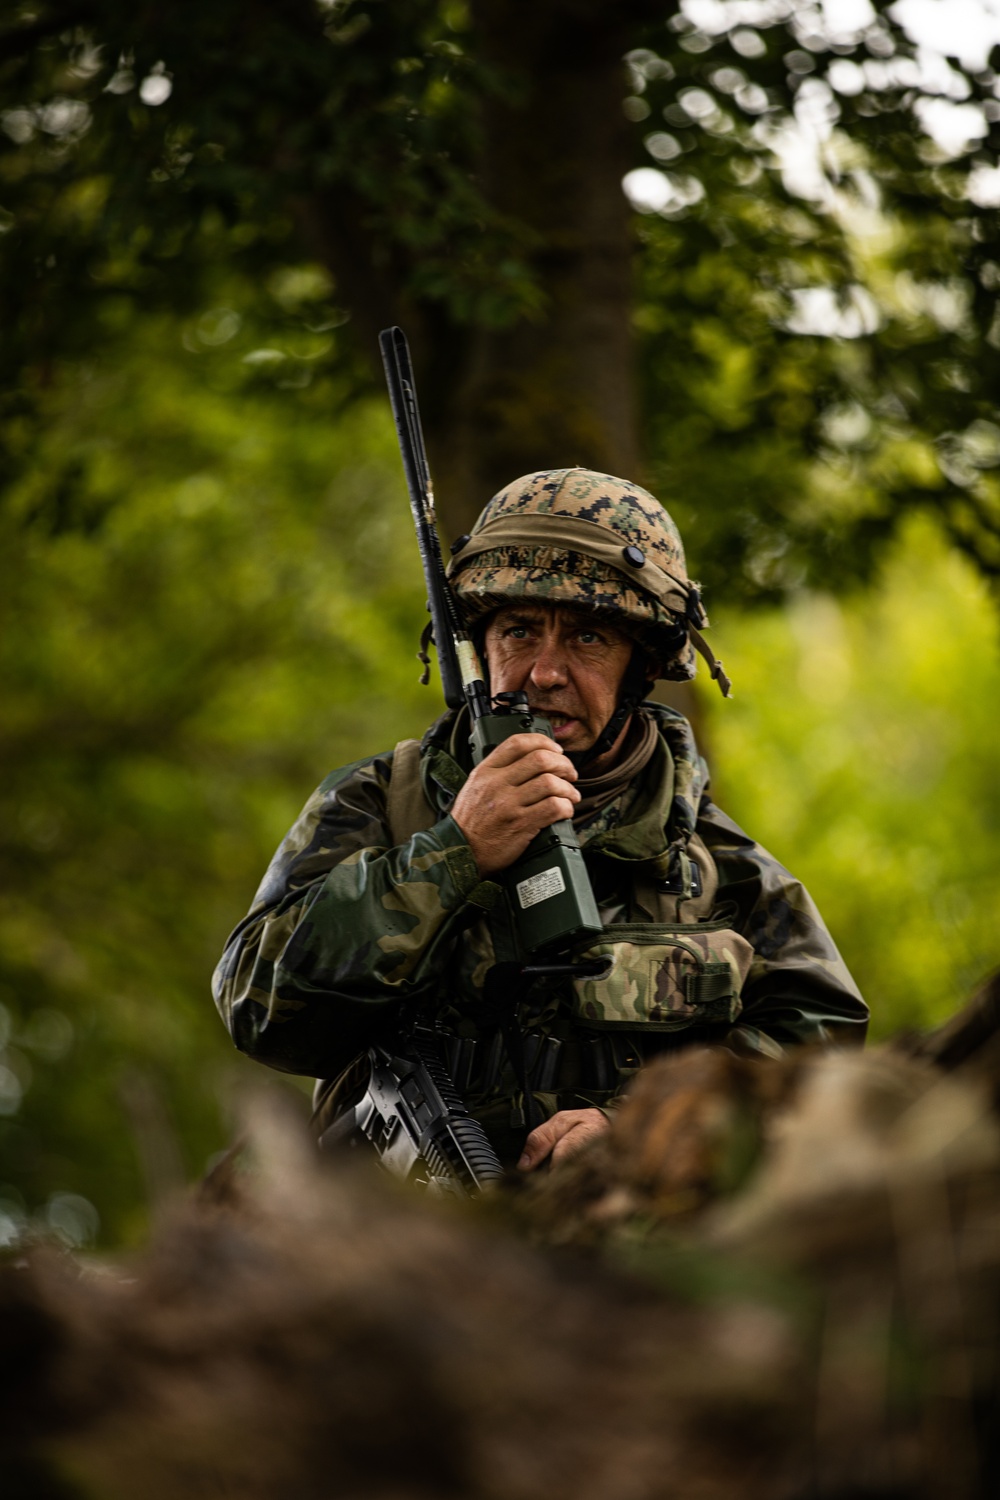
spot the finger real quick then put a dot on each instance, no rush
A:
(544, 786)
(552, 810)
(568, 1143)
(576, 1138)
(538, 762)
(516, 748)
(538, 1145)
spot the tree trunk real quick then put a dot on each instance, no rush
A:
(558, 390)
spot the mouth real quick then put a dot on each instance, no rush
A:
(563, 725)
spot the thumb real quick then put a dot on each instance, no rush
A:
(536, 1147)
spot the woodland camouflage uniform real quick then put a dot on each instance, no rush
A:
(359, 923)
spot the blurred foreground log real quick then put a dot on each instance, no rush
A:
(773, 1279)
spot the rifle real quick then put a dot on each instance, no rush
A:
(548, 889)
(414, 1118)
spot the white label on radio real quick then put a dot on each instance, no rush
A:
(540, 887)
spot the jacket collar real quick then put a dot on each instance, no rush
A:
(663, 814)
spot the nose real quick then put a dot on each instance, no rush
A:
(550, 668)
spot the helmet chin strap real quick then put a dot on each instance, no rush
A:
(631, 694)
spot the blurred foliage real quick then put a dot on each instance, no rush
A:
(860, 748)
(208, 591)
(210, 597)
(145, 150)
(232, 612)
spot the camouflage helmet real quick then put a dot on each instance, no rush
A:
(572, 536)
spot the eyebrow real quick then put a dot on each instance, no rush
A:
(525, 614)
(518, 615)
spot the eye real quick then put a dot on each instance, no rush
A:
(589, 637)
(518, 632)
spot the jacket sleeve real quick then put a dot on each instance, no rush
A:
(798, 989)
(345, 929)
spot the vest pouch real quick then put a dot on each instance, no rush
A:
(663, 977)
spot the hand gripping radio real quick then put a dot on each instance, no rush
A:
(548, 888)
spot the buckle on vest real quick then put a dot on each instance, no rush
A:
(674, 883)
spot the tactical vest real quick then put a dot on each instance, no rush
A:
(673, 971)
(673, 976)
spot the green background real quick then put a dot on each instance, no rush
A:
(209, 588)
(239, 615)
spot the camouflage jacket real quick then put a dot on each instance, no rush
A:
(349, 933)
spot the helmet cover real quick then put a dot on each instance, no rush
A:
(589, 540)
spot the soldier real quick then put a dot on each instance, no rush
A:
(382, 900)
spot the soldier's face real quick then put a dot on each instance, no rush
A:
(569, 663)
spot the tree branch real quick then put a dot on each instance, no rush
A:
(21, 39)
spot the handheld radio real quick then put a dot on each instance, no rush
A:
(548, 888)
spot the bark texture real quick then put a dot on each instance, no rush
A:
(558, 390)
